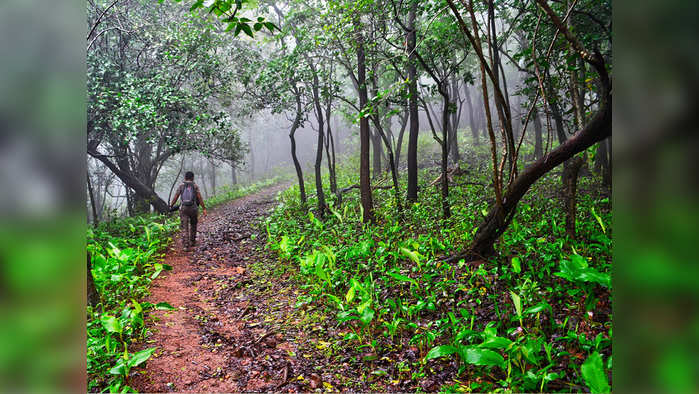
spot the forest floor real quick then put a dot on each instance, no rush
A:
(234, 327)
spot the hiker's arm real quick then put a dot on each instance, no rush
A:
(201, 202)
(174, 199)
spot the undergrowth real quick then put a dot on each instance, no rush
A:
(536, 317)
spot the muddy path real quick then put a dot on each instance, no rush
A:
(216, 339)
(235, 326)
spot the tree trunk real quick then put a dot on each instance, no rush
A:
(95, 217)
(471, 118)
(319, 148)
(252, 158)
(570, 181)
(538, 141)
(391, 162)
(234, 176)
(330, 149)
(364, 176)
(202, 174)
(377, 153)
(401, 134)
(93, 297)
(292, 137)
(446, 209)
(412, 105)
(212, 171)
(454, 123)
(602, 162)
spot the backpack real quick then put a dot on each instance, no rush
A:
(189, 196)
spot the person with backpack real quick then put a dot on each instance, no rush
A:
(191, 198)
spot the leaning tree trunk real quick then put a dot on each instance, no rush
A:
(141, 190)
(499, 217)
(376, 154)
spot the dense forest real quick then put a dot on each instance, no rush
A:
(403, 195)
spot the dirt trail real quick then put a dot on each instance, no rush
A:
(209, 343)
(236, 326)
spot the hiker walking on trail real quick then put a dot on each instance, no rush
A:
(191, 198)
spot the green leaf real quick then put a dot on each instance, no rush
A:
(576, 270)
(441, 351)
(367, 316)
(112, 324)
(197, 4)
(542, 306)
(517, 301)
(138, 358)
(401, 277)
(349, 297)
(516, 265)
(477, 356)
(496, 343)
(119, 368)
(414, 256)
(164, 306)
(593, 373)
(599, 219)
(246, 28)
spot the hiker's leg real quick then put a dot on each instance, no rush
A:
(193, 220)
(184, 228)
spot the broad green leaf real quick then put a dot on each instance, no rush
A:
(593, 373)
(576, 270)
(477, 356)
(367, 315)
(246, 28)
(496, 343)
(138, 358)
(516, 265)
(441, 351)
(119, 368)
(112, 324)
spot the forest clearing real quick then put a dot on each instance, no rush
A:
(349, 195)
